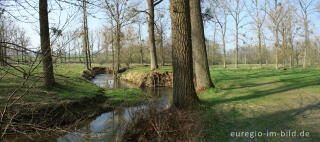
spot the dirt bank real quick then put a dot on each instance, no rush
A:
(89, 74)
(50, 118)
(152, 79)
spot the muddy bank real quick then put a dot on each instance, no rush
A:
(52, 118)
(90, 74)
(152, 79)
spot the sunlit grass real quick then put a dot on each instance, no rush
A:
(262, 100)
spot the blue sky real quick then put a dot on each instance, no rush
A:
(100, 22)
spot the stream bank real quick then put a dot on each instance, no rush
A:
(151, 79)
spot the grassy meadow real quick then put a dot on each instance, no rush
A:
(246, 99)
(249, 99)
(70, 86)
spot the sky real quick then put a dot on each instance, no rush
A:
(28, 20)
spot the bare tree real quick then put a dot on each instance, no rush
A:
(220, 7)
(258, 19)
(235, 8)
(306, 9)
(86, 45)
(203, 79)
(184, 94)
(152, 42)
(49, 80)
(276, 16)
(161, 35)
(120, 12)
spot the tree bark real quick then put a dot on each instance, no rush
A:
(161, 45)
(237, 44)
(152, 41)
(306, 30)
(277, 45)
(85, 36)
(203, 79)
(141, 48)
(184, 94)
(49, 80)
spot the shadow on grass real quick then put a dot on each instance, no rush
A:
(219, 125)
(246, 85)
(257, 74)
(262, 93)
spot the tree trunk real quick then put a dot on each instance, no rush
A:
(203, 79)
(117, 49)
(184, 94)
(152, 41)
(224, 51)
(277, 47)
(260, 54)
(214, 42)
(161, 46)
(49, 80)
(306, 27)
(141, 48)
(237, 45)
(85, 39)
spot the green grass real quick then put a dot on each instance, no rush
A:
(69, 87)
(262, 100)
(125, 97)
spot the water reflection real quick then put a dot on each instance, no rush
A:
(108, 126)
(108, 82)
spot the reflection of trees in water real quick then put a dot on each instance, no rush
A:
(116, 84)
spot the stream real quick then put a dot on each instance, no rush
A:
(108, 126)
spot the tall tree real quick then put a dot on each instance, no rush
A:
(235, 9)
(306, 9)
(140, 44)
(160, 37)
(152, 41)
(86, 48)
(119, 12)
(48, 75)
(220, 7)
(203, 79)
(184, 94)
(258, 18)
(276, 16)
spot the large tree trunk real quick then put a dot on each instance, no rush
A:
(49, 80)
(152, 41)
(184, 94)
(203, 78)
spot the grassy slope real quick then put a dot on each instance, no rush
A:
(69, 87)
